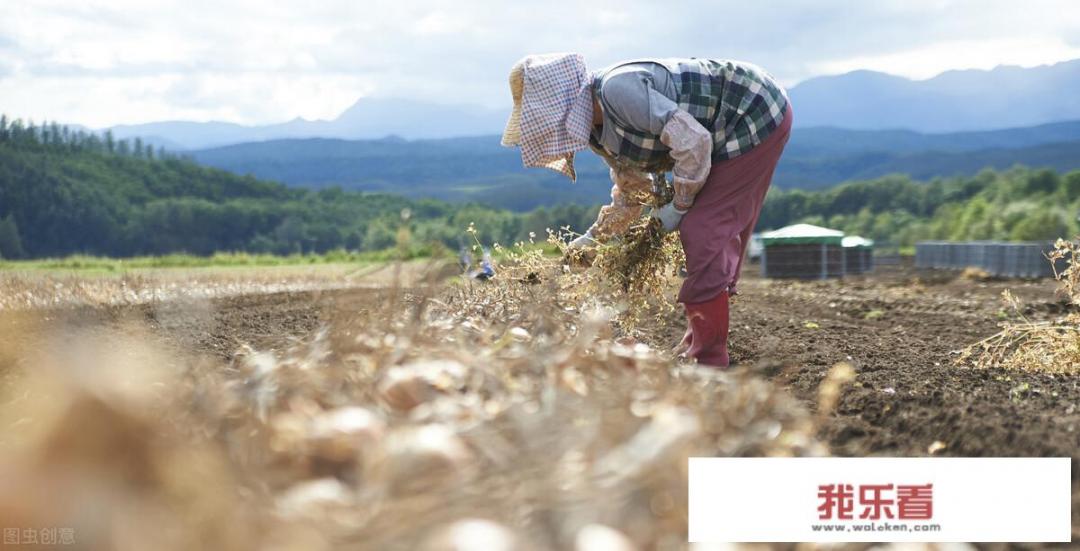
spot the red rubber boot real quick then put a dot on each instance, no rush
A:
(709, 324)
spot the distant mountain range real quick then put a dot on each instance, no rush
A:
(368, 118)
(950, 102)
(453, 169)
(853, 126)
(479, 169)
(865, 100)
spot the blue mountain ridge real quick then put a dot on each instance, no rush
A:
(479, 169)
(954, 101)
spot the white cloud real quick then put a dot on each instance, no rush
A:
(102, 62)
(930, 60)
(438, 22)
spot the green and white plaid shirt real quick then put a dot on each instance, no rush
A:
(738, 102)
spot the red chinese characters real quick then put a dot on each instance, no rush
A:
(876, 501)
(915, 502)
(837, 501)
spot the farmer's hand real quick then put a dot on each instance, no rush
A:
(669, 216)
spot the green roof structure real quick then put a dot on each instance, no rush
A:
(803, 234)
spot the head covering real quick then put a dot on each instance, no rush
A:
(552, 114)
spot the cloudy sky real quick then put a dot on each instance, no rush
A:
(104, 62)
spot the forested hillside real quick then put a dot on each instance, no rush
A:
(65, 192)
(1018, 204)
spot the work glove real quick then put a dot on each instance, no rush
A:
(669, 216)
(584, 242)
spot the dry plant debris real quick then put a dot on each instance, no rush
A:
(634, 272)
(34, 290)
(503, 415)
(634, 275)
(973, 273)
(1049, 346)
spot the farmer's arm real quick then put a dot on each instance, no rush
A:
(627, 192)
(691, 147)
(642, 98)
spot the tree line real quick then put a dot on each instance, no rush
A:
(1018, 204)
(66, 191)
(16, 132)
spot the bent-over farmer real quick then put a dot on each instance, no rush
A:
(719, 126)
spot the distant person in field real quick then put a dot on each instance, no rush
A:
(719, 126)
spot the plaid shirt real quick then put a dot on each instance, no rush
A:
(738, 102)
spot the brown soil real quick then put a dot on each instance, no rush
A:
(898, 328)
(901, 335)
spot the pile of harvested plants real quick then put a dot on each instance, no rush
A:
(1050, 346)
(635, 272)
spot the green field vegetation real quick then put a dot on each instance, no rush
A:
(80, 198)
(216, 260)
(339, 257)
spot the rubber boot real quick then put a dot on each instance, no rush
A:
(709, 325)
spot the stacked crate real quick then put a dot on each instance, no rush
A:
(997, 258)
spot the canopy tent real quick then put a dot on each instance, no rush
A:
(802, 234)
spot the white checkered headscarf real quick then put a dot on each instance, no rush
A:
(552, 114)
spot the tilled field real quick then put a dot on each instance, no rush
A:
(899, 329)
(909, 397)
